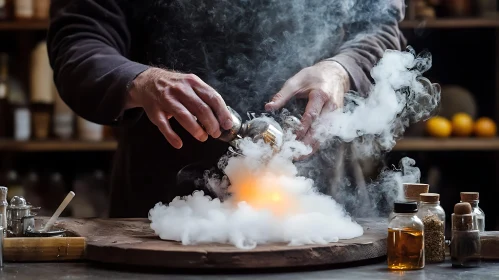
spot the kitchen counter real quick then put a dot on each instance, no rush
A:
(76, 271)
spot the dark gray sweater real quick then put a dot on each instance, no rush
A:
(244, 49)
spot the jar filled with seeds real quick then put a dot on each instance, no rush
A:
(433, 217)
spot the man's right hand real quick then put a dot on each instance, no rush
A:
(164, 94)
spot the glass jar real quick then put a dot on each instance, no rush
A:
(479, 216)
(465, 245)
(405, 246)
(433, 217)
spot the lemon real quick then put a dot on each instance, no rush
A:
(485, 127)
(439, 127)
(462, 124)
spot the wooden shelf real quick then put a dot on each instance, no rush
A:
(24, 25)
(451, 23)
(408, 144)
(450, 144)
(56, 146)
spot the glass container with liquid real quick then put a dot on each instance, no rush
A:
(479, 216)
(405, 246)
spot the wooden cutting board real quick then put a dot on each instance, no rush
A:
(132, 242)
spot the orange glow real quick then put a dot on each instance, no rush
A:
(263, 193)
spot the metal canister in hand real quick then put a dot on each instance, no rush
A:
(256, 129)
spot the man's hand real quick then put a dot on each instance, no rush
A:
(324, 85)
(185, 97)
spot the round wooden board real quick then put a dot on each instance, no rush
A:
(132, 242)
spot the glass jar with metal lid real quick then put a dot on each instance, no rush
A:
(405, 244)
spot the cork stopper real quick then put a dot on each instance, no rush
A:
(462, 208)
(413, 190)
(462, 219)
(469, 196)
(429, 197)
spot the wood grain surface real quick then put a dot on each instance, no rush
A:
(132, 242)
(36, 249)
(489, 245)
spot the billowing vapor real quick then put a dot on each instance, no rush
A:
(369, 126)
(270, 201)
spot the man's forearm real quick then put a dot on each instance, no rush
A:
(91, 70)
(359, 56)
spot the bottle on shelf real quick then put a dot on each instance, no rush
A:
(42, 95)
(89, 131)
(63, 118)
(20, 111)
(4, 94)
(24, 9)
(41, 9)
(5, 10)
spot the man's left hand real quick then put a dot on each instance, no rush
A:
(324, 85)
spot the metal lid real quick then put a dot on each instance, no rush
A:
(405, 207)
(18, 202)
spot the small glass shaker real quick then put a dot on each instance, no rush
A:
(465, 244)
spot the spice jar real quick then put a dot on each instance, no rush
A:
(479, 216)
(41, 9)
(465, 244)
(405, 244)
(24, 9)
(433, 217)
(42, 94)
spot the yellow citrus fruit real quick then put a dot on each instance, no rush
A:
(462, 124)
(439, 127)
(485, 127)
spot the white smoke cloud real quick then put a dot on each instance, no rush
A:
(400, 95)
(270, 202)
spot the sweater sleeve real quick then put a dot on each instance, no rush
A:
(88, 43)
(359, 56)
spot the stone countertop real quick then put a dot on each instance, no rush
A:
(373, 271)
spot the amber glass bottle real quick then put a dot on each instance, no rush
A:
(405, 246)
